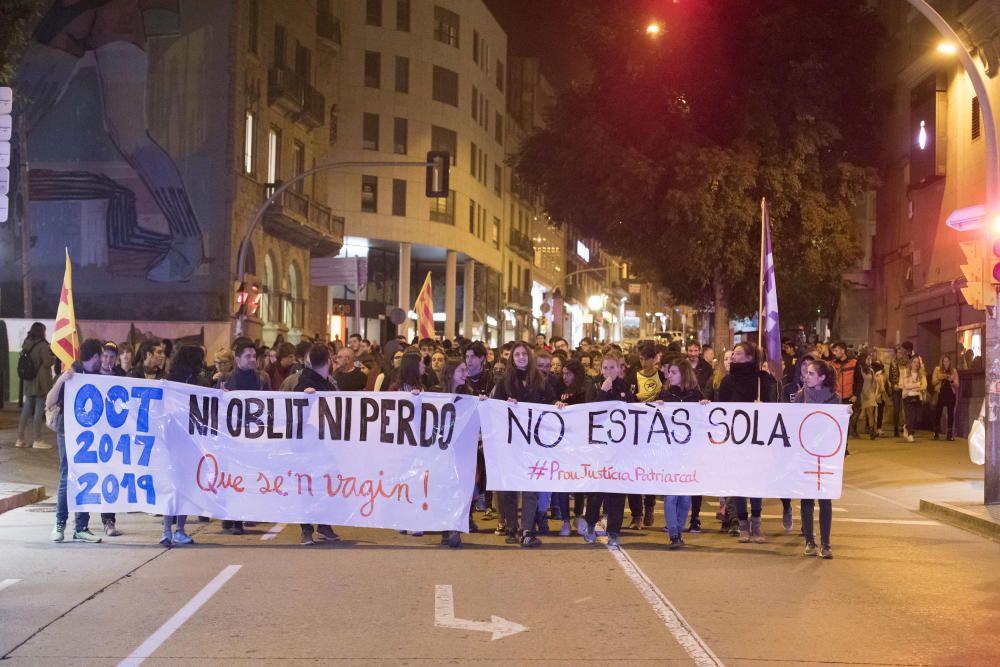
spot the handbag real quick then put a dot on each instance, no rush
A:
(52, 417)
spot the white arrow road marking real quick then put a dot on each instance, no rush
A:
(148, 647)
(444, 617)
(7, 583)
(273, 533)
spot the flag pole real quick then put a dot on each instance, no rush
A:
(760, 300)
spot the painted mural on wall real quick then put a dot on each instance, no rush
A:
(126, 141)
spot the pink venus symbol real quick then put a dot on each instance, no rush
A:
(820, 447)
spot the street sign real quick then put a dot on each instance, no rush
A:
(6, 99)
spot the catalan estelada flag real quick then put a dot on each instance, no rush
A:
(65, 343)
(425, 310)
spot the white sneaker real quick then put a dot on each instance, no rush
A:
(909, 438)
(581, 526)
(21, 444)
(565, 530)
(602, 527)
(39, 444)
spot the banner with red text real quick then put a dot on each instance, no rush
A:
(380, 460)
(758, 450)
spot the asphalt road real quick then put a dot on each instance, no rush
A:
(900, 590)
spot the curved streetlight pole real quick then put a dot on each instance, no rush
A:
(991, 347)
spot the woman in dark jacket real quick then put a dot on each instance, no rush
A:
(522, 383)
(35, 389)
(188, 367)
(574, 392)
(682, 387)
(610, 386)
(819, 382)
(747, 383)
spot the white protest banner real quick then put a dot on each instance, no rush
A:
(758, 450)
(385, 460)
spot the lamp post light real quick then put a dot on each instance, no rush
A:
(991, 346)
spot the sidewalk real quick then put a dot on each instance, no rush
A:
(934, 478)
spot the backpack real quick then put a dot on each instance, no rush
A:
(26, 369)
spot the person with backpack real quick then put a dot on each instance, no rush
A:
(34, 367)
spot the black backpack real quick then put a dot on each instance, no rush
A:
(26, 369)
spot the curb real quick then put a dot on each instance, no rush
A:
(961, 518)
(13, 496)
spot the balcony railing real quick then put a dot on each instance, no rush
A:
(299, 220)
(328, 29)
(313, 109)
(521, 244)
(285, 89)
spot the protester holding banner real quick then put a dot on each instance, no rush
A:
(522, 383)
(819, 387)
(90, 355)
(315, 376)
(575, 392)
(188, 367)
(682, 387)
(611, 388)
(453, 381)
(479, 380)
(747, 383)
(646, 384)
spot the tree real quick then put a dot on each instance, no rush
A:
(665, 152)
(15, 33)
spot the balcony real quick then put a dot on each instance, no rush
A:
(295, 218)
(328, 31)
(518, 299)
(521, 244)
(313, 109)
(285, 90)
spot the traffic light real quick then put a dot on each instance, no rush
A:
(975, 284)
(438, 163)
(6, 130)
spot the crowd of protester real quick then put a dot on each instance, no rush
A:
(546, 371)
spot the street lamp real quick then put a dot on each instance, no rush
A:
(653, 29)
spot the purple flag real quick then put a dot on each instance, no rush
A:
(769, 288)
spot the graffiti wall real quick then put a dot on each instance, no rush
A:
(125, 103)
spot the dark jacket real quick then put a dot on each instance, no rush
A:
(742, 383)
(310, 379)
(672, 394)
(353, 380)
(252, 380)
(482, 383)
(821, 395)
(703, 371)
(138, 371)
(185, 377)
(619, 391)
(41, 355)
(523, 394)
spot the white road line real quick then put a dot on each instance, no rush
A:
(7, 583)
(676, 624)
(273, 533)
(880, 497)
(148, 647)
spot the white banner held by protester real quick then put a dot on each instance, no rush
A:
(759, 450)
(386, 460)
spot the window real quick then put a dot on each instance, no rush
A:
(369, 139)
(373, 69)
(402, 74)
(496, 233)
(475, 46)
(472, 217)
(498, 128)
(443, 139)
(373, 12)
(475, 103)
(400, 136)
(446, 26)
(249, 129)
(497, 179)
(474, 160)
(500, 76)
(299, 162)
(273, 155)
(399, 197)
(443, 208)
(290, 310)
(269, 286)
(254, 27)
(976, 118)
(483, 161)
(445, 86)
(403, 15)
(369, 194)
(279, 45)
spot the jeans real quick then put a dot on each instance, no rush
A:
(508, 509)
(756, 504)
(82, 519)
(941, 407)
(913, 406)
(544, 500)
(897, 410)
(675, 509)
(825, 520)
(34, 409)
(615, 505)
